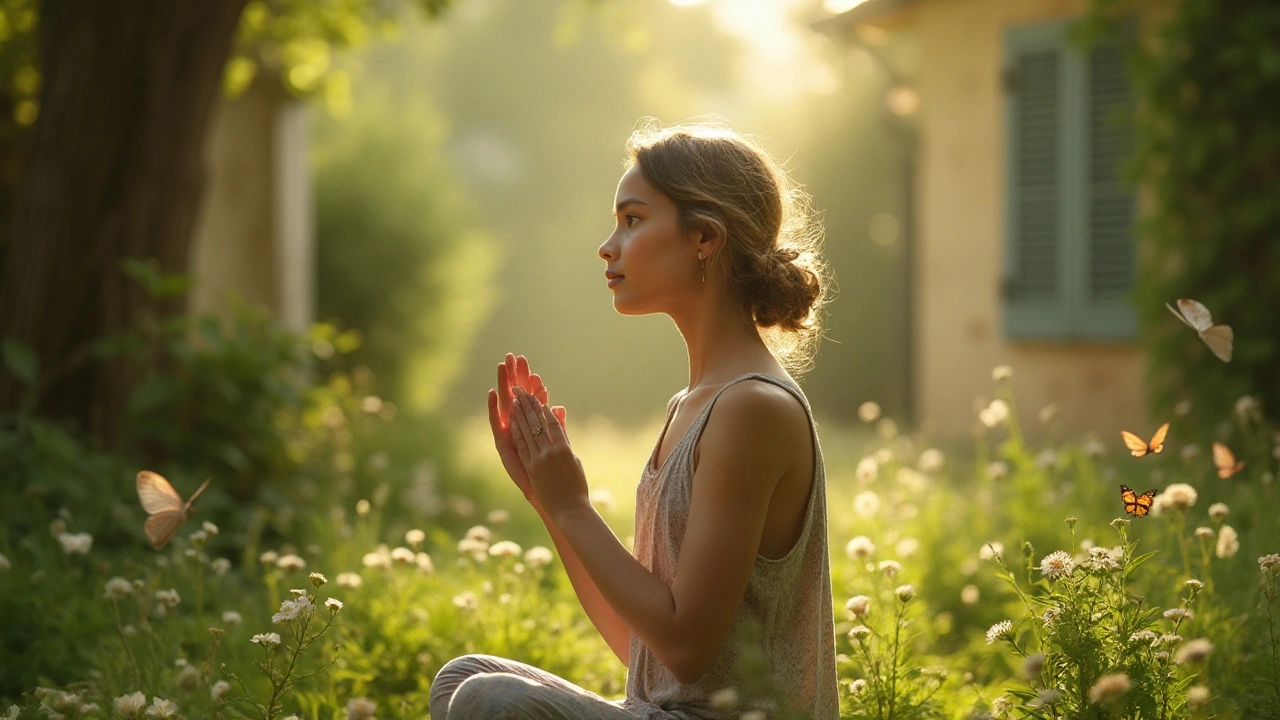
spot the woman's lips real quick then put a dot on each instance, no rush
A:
(614, 281)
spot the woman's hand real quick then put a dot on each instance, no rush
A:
(555, 473)
(513, 373)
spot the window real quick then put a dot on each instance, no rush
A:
(1069, 244)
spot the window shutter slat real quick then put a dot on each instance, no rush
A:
(1035, 298)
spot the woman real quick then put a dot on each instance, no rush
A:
(731, 570)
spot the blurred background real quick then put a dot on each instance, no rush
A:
(285, 243)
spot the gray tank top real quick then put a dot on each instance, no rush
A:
(786, 613)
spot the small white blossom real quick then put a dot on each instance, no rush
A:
(995, 413)
(1194, 584)
(1109, 687)
(169, 598)
(1206, 533)
(1218, 511)
(479, 532)
(858, 605)
(905, 592)
(333, 604)
(1179, 496)
(1193, 651)
(859, 548)
(161, 708)
(868, 469)
(906, 547)
(998, 470)
(970, 594)
(1001, 372)
(220, 566)
(991, 550)
(117, 587)
(361, 709)
(1056, 565)
(465, 601)
(1269, 563)
(129, 705)
(866, 503)
(538, 556)
(869, 411)
(293, 609)
(1228, 542)
(887, 429)
(505, 549)
(1176, 613)
(75, 543)
(266, 639)
(415, 537)
(423, 561)
(349, 580)
(890, 568)
(219, 689)
(269, 557)
(931, 461)
(403, 555)
(498, 516)
(379, 558)
(291, 562)
(724, 699)
(231, 617)
(1002, 629)
(858, 633)
(1197, 696)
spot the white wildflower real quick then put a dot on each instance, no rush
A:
(231, 617)
(333, 604)
(169, 598)
(1001, 372)
(220, 566)
(906, 547)
(269, 557)
(538, 556)
(363, 507)
(970, 594)
(117, 587)
(1056, 565)
(129, 705)
(866, 503)
(219, 689)
(1179, 496)
(1144, 636)
(479, 532)
(857, 686)
(998, 470)
(403, 555)
(293, 609)
(1193, 651)
(1206, 533)
(887, 429)
(291, 562)
(890, 568)
(905, 592)
(1048, 413)
(361, 709)
(931, 461)
(1248, 408)
(473, 546)
(1002, 629)
(1218, 511)
(1269, 563)
(1001, 706)
(161, 708)
(859, 548)
(415, 537)
(1194, 585)
(991, 550)
(869, 411)
(1046, 697)
(1176, 613)
(1109, 687)
(75, 543)
(349, 580)
(379, 558)
(318, 579)
(1228, 542)
(465, 600)
(858, 605)
(505, 549)
(868, 469)
(423, 561)
(1197, 696)
(189, 678)
(498, 516)
(995, 413)
(266, 639)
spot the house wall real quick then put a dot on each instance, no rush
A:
(960, 242)
(253, 234)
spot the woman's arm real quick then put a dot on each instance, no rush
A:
(743, 455)
(611, 626)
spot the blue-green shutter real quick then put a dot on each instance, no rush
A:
(1069, 243)
(1037, 263)
(1108, 252)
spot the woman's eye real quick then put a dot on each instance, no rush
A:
(630, 218)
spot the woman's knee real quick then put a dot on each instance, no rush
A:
(499, 696)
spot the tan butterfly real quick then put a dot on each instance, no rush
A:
(1139, 447)
(1196, 317)
(1226, 461)
(164, 506)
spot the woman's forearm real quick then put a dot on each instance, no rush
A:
(611, 626)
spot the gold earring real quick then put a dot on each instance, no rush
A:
(704, 266)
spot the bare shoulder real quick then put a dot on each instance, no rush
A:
(760, 421)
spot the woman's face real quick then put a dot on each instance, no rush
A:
(657, 262)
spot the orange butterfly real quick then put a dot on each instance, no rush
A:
(1197, 317)
(1135, 504)
(164, 506)
(1226, 461)
(1139, 447)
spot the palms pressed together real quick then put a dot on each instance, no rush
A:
(512, 373)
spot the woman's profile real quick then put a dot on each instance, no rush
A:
(729, 585)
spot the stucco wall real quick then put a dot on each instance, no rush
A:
(960, 241)
(253, 235)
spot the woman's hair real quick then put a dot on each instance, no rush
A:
(725, 182)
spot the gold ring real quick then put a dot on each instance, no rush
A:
(537, 430)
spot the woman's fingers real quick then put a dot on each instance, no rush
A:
(504, 390)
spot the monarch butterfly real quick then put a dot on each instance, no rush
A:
(1196, 317)
(1139, 447)
(164, 506)
(1135, 504)
(1226, 461)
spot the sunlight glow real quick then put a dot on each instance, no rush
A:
(686, 3)
(781, 47)
(839, 6)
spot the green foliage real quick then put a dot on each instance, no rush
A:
(396, 255)
(1208, 154)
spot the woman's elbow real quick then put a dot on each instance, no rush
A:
(688, 664)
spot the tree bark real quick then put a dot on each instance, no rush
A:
(115, 170)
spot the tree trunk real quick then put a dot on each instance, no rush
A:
(115, 170)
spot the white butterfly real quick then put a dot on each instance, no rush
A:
(164, 506)
(1196, 316)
